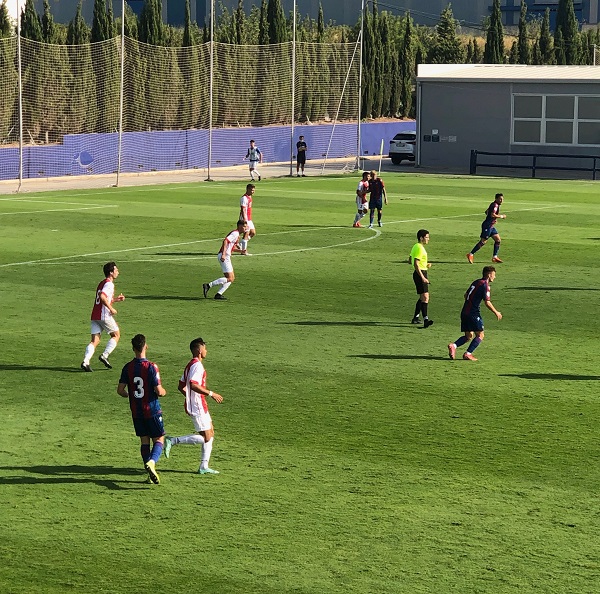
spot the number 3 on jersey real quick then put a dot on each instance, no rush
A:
(139, 382)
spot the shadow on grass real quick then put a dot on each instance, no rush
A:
(77, 474)
(163, 298)
(553, 376)
(326, 323)
(551, 289)
(9, 367)
(402, 357)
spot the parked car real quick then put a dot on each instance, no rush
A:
(402, 147)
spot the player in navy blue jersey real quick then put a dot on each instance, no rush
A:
(376, 198)
(471, 322)
(140, 382)
(488, 229)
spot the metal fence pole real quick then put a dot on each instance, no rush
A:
(122, 92)
(293, 92)
(20, 91)
(210, 93)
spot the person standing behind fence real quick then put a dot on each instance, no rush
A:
(254, 156)
(301, 147)
(376, 198)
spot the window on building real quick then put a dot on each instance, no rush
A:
(556, 120)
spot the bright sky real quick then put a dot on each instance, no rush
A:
(12, 8)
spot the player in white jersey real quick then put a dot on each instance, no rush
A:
(362, 203)
(102, 318)
(193, 386)
(224, 257)
(246, 215)
(254, 156)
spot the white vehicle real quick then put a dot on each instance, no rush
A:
(402, 147)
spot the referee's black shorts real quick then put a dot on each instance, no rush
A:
(419, 284)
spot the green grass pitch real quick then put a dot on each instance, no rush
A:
(354, 455)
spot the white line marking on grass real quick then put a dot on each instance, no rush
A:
(47, 201)
(64, 259)
(5, 214)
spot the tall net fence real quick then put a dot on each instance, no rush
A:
(180, 111)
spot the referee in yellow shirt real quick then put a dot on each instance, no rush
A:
(418, 259)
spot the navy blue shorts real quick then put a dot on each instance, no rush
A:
(471, 323)
(152, 427)
(376, 204)
(487, 231)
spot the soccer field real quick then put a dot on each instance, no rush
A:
(354, 455)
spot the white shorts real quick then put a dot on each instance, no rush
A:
(253, 165)
(361, 205)
(108, 326)
(251, 226)
(226, 266)
(202, 422)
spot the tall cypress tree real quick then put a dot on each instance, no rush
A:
(188, 38)
(276, 19)
(568, 28)
(446, 48)
(78, 32)
(494, 43)
(100, 28)
(477, 53)
(263, 26)
(151, 26)
(240, 24)
(546, 43)
(523, 48)
(31, 27)
(48, 26)
(377, 61)
(5, 24)
(320, 25)
(406, 58)
(9, 75)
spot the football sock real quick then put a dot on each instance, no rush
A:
(89, 352)
(218, 281)
(417, 309)
(462, 340)
(110, 347)
(477, 247)
(496, 248)
(193, 439)
(206, 451)
(424, 309)
(379, 216)
(474, 344)
(224, 288)
(157, 449)
(371, 218)
(243, 244)
(145, 452)
(357, 218)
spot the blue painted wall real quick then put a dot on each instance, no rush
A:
(90, 154)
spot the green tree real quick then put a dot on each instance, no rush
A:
(536, 54)
(568, 29)
(513, 55)
(276, 20)
(406, 58)
(31, 27)
(48, 27)
(240, 24)
(100, 26)
(494, 43)
(263, 28)
(188, 38)
(447, 47)
(320, 25)
(377, 61)
(78, 33)
(477, 52)
(546, 43)
(151, 26)
(523, 48)
(5, 24)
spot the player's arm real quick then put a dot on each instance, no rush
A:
(159, 390)
(259, 157)
(122, 390)
(222, 250)
(181, 387)
(384, 193)
(107, 303)
(121, 297)
(205, 392)
(491, 307)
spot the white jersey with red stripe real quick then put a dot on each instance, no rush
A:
(246, 205)
(361, 192)
(100, 311)
(230, 242)
(194, 373)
